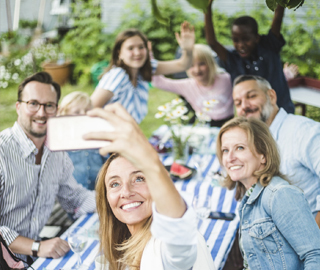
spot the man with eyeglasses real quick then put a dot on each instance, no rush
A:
(31, 176)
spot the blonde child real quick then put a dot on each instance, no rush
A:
(87, 163)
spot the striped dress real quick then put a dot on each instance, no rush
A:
(133, 99)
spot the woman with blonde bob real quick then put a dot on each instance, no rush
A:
(277, 228)
(144, 222)
(206, 81)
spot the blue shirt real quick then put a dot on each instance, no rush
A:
(133, 98)
(87, 164)
(298, 139)
(267, 65)
(277, 228)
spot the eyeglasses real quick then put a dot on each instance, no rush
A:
(34, 106)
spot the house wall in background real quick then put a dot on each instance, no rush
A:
(113, 11)
(29, 10)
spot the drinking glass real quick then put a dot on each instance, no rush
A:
(77, 239)
(202, 205)
(196, 141)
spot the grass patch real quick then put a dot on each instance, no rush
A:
(157, 97)
(8, 98)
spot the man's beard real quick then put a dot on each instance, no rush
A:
(266, 111)
(37, 134)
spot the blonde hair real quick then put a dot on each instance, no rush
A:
(74, 98)
(120, 248)
(260, 141)
(203, 52)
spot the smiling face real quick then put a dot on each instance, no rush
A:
(238, 159)
(133, 52)
(244, 40)
(251, 101)
(34, 124)
(199, 71)
(128, 194)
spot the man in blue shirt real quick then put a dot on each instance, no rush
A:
(254, 54)
(297, 136)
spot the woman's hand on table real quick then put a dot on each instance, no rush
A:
(53, 248)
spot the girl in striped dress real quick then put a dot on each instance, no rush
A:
(130, 70)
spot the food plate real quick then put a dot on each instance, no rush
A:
(173, 177)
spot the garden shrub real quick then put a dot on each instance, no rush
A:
(87, 44)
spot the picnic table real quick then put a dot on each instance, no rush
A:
(219, 234)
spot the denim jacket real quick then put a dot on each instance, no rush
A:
(278, 230)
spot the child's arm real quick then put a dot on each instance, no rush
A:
(211, 37)
(186, 41)
(277, 21)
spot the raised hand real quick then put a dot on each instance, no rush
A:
(290, 70)
(186, 38)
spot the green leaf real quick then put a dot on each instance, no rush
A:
(157, 14)
(283, 3)
(272, 4)
(199, 4)
(295, 4)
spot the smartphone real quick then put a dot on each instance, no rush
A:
(222, 215)
(66, 132)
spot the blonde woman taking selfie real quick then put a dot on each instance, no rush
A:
(144, 222)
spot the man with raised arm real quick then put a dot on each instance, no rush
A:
(253, 53)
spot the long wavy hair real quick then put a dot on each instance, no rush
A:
(120, 248)
(260, 141)
(146, 70)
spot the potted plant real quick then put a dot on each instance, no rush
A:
(56, 63)
(5, 42)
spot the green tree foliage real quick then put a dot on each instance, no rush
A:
(162, 36)
(85, 43)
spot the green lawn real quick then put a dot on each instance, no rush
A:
(8, 99)
(157, 97)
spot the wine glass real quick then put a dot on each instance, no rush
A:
(77, 239)
(196, 142)
(202, 205)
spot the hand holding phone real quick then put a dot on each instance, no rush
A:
(66, 132)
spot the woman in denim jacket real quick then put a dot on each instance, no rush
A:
(277, 229)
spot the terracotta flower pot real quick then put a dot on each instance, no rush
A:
(60, 73)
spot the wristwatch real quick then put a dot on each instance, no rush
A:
(35, 248)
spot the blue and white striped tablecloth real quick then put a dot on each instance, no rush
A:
(219, 234)
(88, 222)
